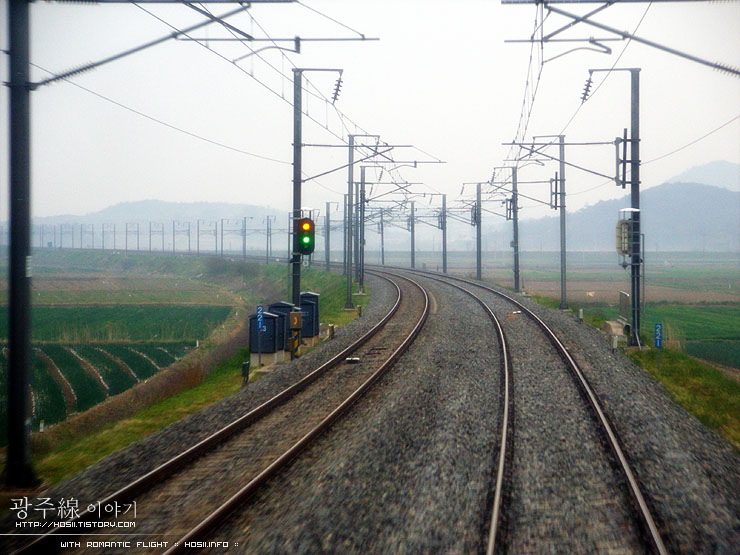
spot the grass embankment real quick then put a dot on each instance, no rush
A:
(701, 389)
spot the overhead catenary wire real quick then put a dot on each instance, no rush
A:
(342, 117)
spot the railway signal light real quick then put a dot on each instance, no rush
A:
(304, 236)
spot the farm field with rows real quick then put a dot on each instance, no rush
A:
(69, 378)
(104, 322)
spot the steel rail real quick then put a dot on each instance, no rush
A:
(167, 468)
(646, 518)
(505, 429)
(218, 516)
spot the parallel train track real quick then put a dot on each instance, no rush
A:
(643, 514)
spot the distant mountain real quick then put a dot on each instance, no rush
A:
(675, 217)
(163, 211)
(720, 174)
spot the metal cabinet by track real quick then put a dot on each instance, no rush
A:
(310, 308)
(282, 309)
(270, 340)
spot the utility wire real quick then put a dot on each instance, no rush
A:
(694, 141)
(276, 93)
(164, 123)
(329, 18)
(728, 122)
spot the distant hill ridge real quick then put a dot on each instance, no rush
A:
(164, 211)
(675, 217)
(720, 174)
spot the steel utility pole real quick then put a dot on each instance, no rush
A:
(361, 230)
(635, 250)
(344, 235)
(635, 202)
(444, 233)
(412, 217)
(478, 232)
(356, 231)
(18, 470)
(563, 291)
(297, 140)
(327, 238)
(382, 240)
(244, 237)
(348, 232)
(515, 222)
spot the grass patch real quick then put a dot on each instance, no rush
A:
(702, 390)
(73, 456)
(549, 302)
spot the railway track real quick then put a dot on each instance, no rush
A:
(642, 513)
(220, 472)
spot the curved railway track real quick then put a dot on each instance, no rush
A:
(409, 313)
(643, 514)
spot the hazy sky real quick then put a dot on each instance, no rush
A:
(440, 78)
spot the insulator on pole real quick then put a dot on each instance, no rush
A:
(337, 87)
(587, 88)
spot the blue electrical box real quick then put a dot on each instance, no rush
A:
(310, 306)
(282, 309)
(267, 341)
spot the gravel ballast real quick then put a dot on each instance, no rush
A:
(410, 468)
(689, 474)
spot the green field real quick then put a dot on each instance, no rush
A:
(81, 324)
(709, 331)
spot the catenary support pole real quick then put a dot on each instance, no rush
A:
(356, 231)
(382, 240)
(348, 249)
(561, 189)
(444, 233)
(18, 469)
(412, 221)
(362, 230)
(297, 140)
(478, 233)
(635, 202)
(344, 235)
(327, 245)
(515, 222)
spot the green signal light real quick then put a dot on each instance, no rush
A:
(306, 239)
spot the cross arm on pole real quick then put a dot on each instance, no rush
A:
(626, 35)
(134, 50)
